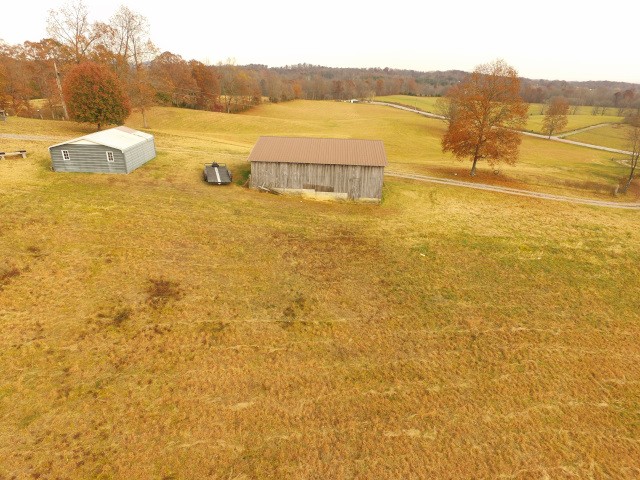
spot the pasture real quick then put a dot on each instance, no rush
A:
(583, 117)
(612, 136)
(154, 326)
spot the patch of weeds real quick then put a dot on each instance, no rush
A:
(213, 332)
(213, 327)
(121, 315)
(27, 419)
(8, 275)
(292, 311)
(241, 174)
(35, 251)
(161, 291)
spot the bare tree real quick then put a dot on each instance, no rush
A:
(70, 27)
(556, 117)
(633, 140)
(132, 44)
(228, 82)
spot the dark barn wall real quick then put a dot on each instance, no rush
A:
(354, 180)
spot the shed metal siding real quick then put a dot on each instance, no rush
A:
(140, 154)
(87, 158)
(89, 153)
(357, 181)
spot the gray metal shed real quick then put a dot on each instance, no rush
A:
(336, 167)
(116, 150)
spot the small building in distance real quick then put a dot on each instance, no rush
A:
(322, 167)
(116, 150)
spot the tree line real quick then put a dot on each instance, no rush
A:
(35, 70)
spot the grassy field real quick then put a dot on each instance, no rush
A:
(428, 104)
(539, 108)
(413, 144)
(613, 136)
(157, 327)
(583, 118)
(575, 122)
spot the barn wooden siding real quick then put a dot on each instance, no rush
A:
(357, 181)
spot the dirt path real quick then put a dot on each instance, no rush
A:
(408, 109)
(560, 138)
(514, 191)
(34, 138)
(580, 130)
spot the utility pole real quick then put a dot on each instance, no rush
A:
(64, 105)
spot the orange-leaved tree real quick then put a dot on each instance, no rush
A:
(555, 119)
(483, 113)
(95, 95)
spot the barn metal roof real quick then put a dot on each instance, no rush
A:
(328, 151)
(120, 138)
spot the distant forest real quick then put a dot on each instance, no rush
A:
(35, 70)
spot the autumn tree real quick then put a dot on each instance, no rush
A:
(207, 84)
(43, 58)
(337, 89)
(136, 50)
(555, 119)
(633, 141)
(3, 79)
(15, 76)
(484, 112)
(238, 87)
(95, 95)
(172, 78)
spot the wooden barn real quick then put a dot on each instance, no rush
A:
(339, 168)
(116, 150)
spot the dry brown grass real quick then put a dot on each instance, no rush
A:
(164, 328)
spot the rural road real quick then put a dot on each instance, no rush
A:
(408, 109)
(558, 138)
(514, 191)
(34, 138)
(585, 129)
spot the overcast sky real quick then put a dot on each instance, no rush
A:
(560, 39)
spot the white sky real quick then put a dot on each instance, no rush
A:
(559, 39)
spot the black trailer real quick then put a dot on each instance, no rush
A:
(216, 173)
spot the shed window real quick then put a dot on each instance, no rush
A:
(65, 155)
(110, 157)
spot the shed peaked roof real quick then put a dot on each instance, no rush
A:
(120, 138)
(329, 151)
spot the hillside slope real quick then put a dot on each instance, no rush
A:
(154, 326)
